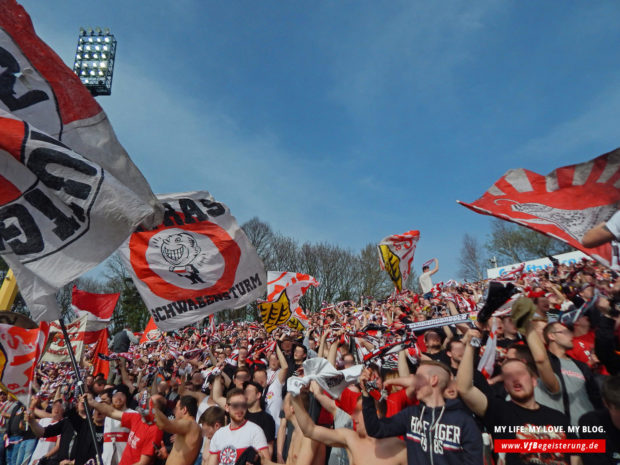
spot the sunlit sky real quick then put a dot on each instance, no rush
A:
(349, 121)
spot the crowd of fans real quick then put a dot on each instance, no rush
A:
(219, 395)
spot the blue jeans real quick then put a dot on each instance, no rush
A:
(20, 452)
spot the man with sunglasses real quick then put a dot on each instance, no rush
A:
(230, 441)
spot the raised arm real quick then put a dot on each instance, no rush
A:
(329, 437)
(471, 395)
(171, 426)
(326, 402)
(541, 359)
(436, 269)
(217, 394)
(106, 409)
(283, 365)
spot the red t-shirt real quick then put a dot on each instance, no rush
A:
(396, 401)
(141, 438)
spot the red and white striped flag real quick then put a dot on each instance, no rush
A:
(98, 309)
(564, 205)
(396, 256)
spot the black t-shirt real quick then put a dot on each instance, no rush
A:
(507, 420)
(265, 421)
(594, 422)
(64, 428)
(84, 448)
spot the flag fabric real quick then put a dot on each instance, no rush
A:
(20, 350)
(57, 349)
(98, 308)
(487, 360)
(43, 91)
(68, 212)
(564, 205)
(396, 256)
(151, 333)
(513, 275)
(100, 364)
(284, 289)
(196, 263)
(332, 380)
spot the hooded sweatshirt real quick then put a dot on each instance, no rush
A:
(434, 435)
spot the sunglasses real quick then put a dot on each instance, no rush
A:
(238, 405)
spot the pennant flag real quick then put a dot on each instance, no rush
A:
(151, 333)
(68, 212)
(396, 256)
(332, 380)
(57, 349)
(564, 205)
(284, 289)
(100, 364)
(486, 363)
(20, 349)
(198, 262)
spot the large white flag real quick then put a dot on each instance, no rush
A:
(396, 255)
(198, 262)
(60, 213)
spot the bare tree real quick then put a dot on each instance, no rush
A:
(516, 243)
(472, 260)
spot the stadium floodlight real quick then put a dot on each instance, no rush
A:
(94, 60)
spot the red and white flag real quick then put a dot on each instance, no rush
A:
(396, 256)
(564, 205)
(57, 349)
(284, 289)
(20, 350)
(197, 262)
(98, 308)
(69, 192)
(151, 333)
(513, 275)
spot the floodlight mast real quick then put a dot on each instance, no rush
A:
(94, 60)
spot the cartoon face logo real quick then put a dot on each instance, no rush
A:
(179, 249)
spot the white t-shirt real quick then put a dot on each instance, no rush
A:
(114, 440)
(426, 283)
(273, 401)
(229, 443)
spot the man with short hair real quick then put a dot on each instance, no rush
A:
(437, 431)
(514, 418)
(256, 414)
(229, 442)
(579, 391)
(361, 447)
(426, 283)
(114, 435)
(188, 434)
(143, 431)
(210, 421)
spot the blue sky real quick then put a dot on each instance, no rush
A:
(347, 121)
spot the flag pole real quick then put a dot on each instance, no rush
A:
(80, 385)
